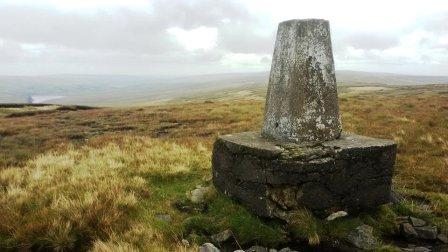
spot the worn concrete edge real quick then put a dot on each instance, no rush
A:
(254, 144)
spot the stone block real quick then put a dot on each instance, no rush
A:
(351, 173)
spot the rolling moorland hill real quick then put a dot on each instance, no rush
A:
(108, 179)
(122, 90)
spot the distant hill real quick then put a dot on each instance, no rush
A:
(125, 90)
(355, 77)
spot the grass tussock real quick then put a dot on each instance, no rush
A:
(68, 200)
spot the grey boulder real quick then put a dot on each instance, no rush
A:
(208, 247)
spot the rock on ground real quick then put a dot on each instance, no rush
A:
(416, 249)
(426, 232)
(416, 222)
(208, 247)
(408, 231)
(287, 250)
(198, 195)
(223, 236)
(257, 248)
(336, 215)
(362, 237)
(442, 238)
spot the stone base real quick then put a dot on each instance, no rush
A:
(272, 177)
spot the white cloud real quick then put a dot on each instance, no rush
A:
(199, 38)
(247, 60)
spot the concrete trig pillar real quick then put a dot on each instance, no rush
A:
(302, 102)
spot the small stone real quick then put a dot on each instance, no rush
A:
(239, 250)
(408, 231)
(426, 232)
(208, 247)
(287, 249)
(362, 237)
(336, 215)
(416, 222)
(257, 248)
(222, 237)
(198, 194)
(416, 249)
(421, 249)
(442, 238)
(163, 217)
(273, 250)
(186, 243)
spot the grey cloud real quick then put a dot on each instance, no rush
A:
(124, 30)
(190, 14)
(128, 36)
(368, 41)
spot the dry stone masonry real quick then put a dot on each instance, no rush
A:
(301, 158)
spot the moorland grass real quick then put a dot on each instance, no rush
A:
(88, 195)
(106, 197)
(104, 189)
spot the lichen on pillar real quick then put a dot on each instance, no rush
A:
(302, 103)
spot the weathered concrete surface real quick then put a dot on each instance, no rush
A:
(301, 104)
(273, 176)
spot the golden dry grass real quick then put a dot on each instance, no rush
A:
(66, 201)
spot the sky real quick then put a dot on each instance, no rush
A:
(191, 37)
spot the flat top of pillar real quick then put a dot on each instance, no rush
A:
(306, 20)
(253, 143)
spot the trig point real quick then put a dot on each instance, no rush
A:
(302, 100)
(301, 158)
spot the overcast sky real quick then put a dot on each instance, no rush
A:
(177, 37)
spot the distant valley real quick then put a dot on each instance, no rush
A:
(124, 90)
